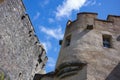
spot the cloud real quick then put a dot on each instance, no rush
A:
(44, 3)
(51, 20)
(36, 16)
(54, 33)
(47, 45)
(68, 6)
(91, 3)
(51, 62)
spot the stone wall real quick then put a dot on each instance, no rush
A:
(84, 54)
(86, 45)
(20, 49)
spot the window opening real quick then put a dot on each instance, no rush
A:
(107, 41)
(22, 17)
(89, 27)
(68, 40)
(39, 60)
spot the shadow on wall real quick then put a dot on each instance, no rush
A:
(115, 73)
(84, 32)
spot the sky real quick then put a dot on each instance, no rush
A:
(49, 18)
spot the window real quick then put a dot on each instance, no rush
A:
(118, 38)
(36, 65)
(20, 74)
(89, 27)
(67, 40)
(39, 60)
(107, 41)
(43, 66)
(22, 17)
(60, 42)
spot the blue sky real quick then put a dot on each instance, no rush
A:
(49, 19)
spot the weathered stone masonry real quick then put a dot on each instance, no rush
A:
(21, 54)
(90, 50)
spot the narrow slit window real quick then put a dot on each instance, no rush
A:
(107, 41)
(39, 60)
(22, 17)
(68, 40)
(60, 42)
(89, 27)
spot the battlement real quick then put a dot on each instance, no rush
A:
(94, 15)
(112, 16)
(86, 14)
(85, 19)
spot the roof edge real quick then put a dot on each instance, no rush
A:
(87, 13)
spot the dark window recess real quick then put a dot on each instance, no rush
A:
(39, 55)
(43, 66)
(60, 42)
(118, 38)
(20, 74)
(36, 65)
(107, 41)
(0, 36)
(46, 58)
(39, 60)
(36, 42)
(22, 17)
(30, 32)
(89, 27)
(68, 40)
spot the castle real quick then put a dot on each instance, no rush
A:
(21, 54)
(90, 50)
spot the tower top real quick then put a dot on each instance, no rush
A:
(88, 18)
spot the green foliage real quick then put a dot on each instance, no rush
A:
(1, 76)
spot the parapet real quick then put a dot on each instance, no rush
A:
(114, 18)
(88, 18)
(87, 14)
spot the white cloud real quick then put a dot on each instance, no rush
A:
(44, 3)
(55, 33)
(47, 45)
(68, 6)
(90, 3)
(51, 62)
(36, 16)
(51, 20)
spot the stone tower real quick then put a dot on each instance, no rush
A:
(93, 43)
(90, 50)
(21, 54)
